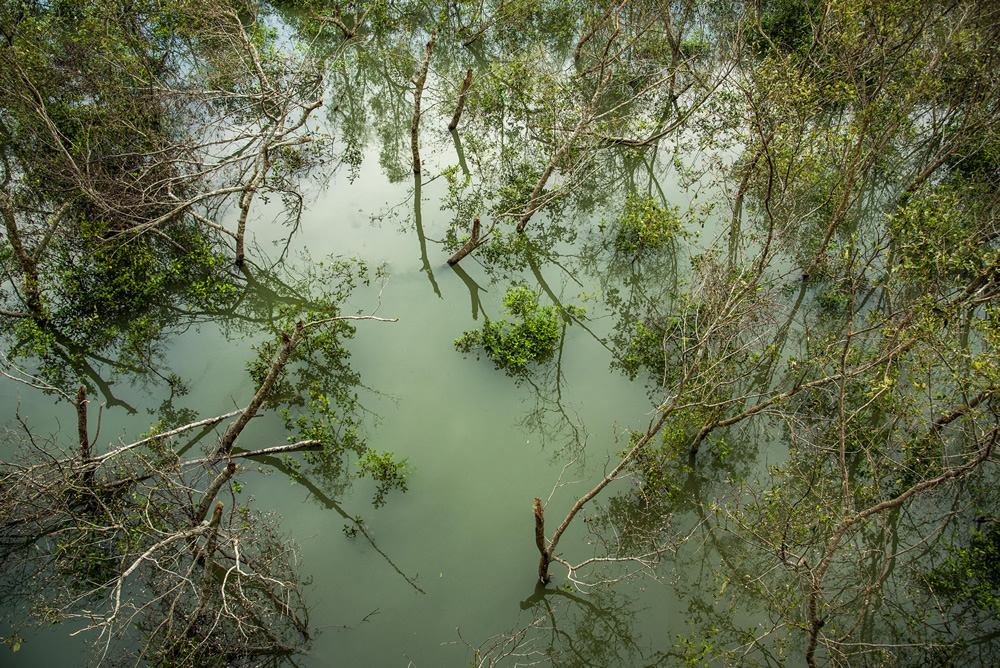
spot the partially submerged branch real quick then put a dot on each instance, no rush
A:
(547, 550)
(288, 344)
(470, 245)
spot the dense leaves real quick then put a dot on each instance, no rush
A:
(820, 354)
(512, 345)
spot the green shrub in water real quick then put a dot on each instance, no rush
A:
(646, 223)
(511, 345)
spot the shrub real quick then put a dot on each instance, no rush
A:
(511, 345)
(645, 223)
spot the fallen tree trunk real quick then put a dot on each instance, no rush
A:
(469, 246)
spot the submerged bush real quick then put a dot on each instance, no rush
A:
(512, 345)
(646, 223)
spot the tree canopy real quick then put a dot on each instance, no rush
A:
(815, 324)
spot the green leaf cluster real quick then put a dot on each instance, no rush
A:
(386, 471)
(971, 574)
(511, 345)
(646, 223)
(934, 239)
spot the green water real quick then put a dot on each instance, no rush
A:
(452, 558)
(787, 526)
(456, 551)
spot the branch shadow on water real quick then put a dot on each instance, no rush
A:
(354, 522)
(418, 221)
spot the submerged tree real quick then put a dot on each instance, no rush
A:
(878, 374)
(511, 346)
(128, 540)
(135, 540)
(126, 137)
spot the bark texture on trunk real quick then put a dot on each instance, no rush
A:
(206, 503)
(469, 246)
(545, 554)
(461, 101)
(417, 93)
(81, 423)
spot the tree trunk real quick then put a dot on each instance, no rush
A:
(81, 423)
(29, 268)
(469, 246)
(209, 551)
(418, 91)
(585, 119)
(545, 555)
(201, 512)
(461, 101)
(263, 164)
(82, 435)
(533, 203)
(288, 344)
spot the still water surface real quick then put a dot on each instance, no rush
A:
(452, 559)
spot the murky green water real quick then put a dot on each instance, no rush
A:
(455, 552)
(840, 405)
(453, 558)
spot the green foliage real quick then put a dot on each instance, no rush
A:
(383, 469)
(335, 422)
(696, 45)
(332, 421)
(106, 281)
(934, 241)
(515, 191)
(971, 574)
(512, 345)
(321, 359)
(352, 531)
(979, 162)
(465, 201)
(317, 390)
(646, 223)
(662, 467)
(507, 250)
(645, 351)
(785, 24)
(117, 296)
